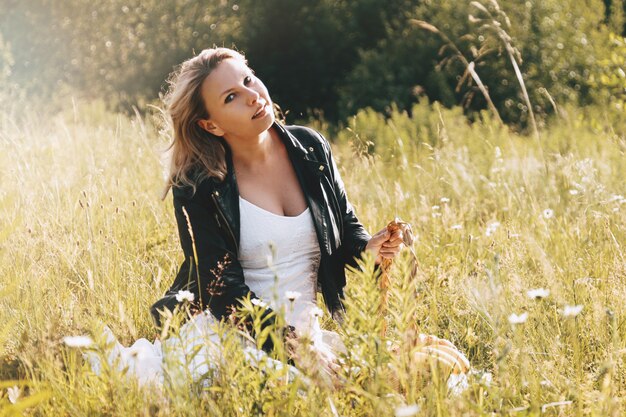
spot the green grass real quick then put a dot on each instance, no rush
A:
(85, 241)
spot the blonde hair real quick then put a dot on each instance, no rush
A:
(193, 149)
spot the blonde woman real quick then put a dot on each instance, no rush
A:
(261, 210)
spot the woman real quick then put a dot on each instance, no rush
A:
(261, 209)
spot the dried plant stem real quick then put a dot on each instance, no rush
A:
(518, 74)
(483, 89)
(469, 66)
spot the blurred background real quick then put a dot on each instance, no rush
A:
(322, 58)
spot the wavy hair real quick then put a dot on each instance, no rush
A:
(195, 153)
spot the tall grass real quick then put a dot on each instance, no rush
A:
(85, 241)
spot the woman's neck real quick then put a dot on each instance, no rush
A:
(255, 152)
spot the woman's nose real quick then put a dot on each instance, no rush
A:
(253, 96)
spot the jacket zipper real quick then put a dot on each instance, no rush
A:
(219, 210)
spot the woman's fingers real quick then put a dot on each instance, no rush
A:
(392, 243)
(394, 239)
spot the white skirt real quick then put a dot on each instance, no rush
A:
(192, 354)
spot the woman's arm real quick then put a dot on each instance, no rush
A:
(355, 238)
(212, 272)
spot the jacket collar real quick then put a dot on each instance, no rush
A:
(309, 171)
(294, 148)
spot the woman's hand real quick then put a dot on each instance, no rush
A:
(385, 245)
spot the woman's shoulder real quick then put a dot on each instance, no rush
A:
(195, 185)
(308, 137)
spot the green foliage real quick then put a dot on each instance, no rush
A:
(323, 57)
(610, 76)
(558, 44)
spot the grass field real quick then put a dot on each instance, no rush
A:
(86, 241)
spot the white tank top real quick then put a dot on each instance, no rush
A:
(280, 256)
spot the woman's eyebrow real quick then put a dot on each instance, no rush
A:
(244, 75)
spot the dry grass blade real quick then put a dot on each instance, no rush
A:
(466, 63)
(424, 25)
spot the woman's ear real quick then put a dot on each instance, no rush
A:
(210, 127)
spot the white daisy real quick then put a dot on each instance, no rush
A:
(444, 200)
(257, 302)
(407, 410)
(456, 227)
(573, 191)
(78, 341)
(538, 293)
(548, 213)
(184, 295)
(491, 228)
(572, 311)
(13, 394)
(292, 295)
(316, 312)
(515, 319)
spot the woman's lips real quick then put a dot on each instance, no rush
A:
(261, 113)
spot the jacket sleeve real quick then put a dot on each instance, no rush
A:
(218, 281)
(355, 237)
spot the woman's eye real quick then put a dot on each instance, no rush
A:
(247, 80)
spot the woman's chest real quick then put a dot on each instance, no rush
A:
(275, 188)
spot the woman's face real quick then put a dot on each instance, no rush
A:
(238, 103)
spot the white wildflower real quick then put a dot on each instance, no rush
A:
(498, 152)
(292, 295)
(486, 379)
(491, 228)
(436, 214)
(316, 312)
(184, 295)
(538, 293)
(572, 311)
(617, 197)
(78, 341)
(548, 213)
(444, 200)
(13, 393)
(407, 410)
(257, 302)
(573, 191)
(515, 319)
(545, 383)
(456, 227)
(436, 207)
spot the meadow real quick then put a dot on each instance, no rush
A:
(519, 244)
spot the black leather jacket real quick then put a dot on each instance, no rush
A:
(214, 216)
